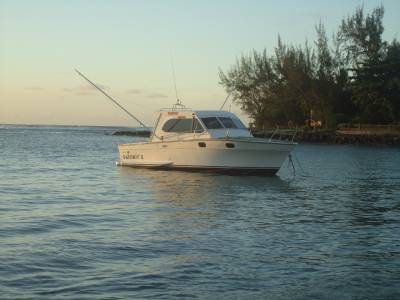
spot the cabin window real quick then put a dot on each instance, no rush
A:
(212, 123)
(239, 124)
(182, 125)
(202, 144)
(230, 145)
(227, 122)
(197, 127)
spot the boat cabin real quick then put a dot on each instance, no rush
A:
(185, 124)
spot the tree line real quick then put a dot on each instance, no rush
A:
(352, 77)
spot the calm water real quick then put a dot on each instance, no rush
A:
(75, 226)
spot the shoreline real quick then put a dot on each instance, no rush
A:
(337, 137)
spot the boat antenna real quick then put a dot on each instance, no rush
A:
(110, 98)
(226, 99)
(178, 102)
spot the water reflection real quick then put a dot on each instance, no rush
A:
(183, 203)
(191, 189)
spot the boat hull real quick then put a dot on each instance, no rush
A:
(226, 156)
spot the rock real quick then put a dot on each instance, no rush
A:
(140, 133)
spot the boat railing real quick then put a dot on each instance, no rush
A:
(278, 134)
(179, 136)
(178, 106)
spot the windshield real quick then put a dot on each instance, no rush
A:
(223, 122)
(212, 123)
(239, 124)
(227, 122)
(182, 125)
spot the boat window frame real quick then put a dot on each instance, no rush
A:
(212, 117)
(195, 125)
(197, 121)
(239, 123)
(230, 120)
(236, 121)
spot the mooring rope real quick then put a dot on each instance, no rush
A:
(290, 163)
(304, 173)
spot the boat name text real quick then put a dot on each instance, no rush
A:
(128, 155)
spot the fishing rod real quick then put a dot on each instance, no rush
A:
(110, 98)
(174, 79)
(226, 99)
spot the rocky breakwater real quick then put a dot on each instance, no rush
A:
(138, 133)
(360, 135)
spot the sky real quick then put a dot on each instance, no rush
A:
(127, 47)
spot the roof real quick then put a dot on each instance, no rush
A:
(214, 113)
(201, 113)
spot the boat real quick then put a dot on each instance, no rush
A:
(202, 140)
(208, 141)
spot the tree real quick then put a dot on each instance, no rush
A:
(294, 68)
(252, 84)
(360, 37)
(390, 76)
(325, 85)
(359, 79)
(274, 90)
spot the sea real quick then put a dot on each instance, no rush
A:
(73, 225)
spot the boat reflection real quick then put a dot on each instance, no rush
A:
(191, 189)
(178, 205)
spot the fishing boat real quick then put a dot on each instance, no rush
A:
(212, 141)
(196, 140)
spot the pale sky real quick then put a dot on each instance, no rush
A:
(126, 47)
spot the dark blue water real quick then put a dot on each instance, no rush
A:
(75, 226)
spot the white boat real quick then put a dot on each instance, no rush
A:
(191, 140)
(213, 141)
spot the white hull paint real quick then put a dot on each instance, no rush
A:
(248, 155)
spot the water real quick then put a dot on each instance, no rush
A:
(75, 226)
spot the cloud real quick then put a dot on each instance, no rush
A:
(33, 88)
(134, 91)
(147, 94)
(85, 89)
(156, 95)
